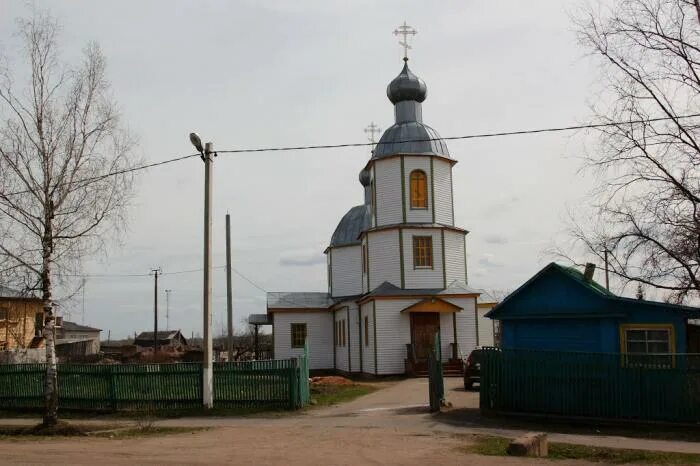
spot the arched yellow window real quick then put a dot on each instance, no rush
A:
(419, 190)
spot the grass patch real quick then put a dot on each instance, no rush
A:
(156, 431)
(496, 446)
(326, 395)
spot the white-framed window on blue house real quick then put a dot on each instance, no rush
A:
(648, 345)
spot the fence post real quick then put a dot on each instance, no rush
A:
(293, 383)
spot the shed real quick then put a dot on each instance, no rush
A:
(168, 339)
(562, 309)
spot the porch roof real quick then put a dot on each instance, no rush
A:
(432, 305)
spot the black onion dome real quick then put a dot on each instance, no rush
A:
(354, 222)
(406, 86)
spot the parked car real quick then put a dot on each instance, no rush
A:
(472, 369)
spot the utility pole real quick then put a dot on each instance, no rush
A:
(207, 154)
(155, 311)
(229, 291)
(167, 309)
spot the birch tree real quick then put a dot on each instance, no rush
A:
(647, 163)
(64, 170)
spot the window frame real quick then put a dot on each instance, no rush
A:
(293, 335)
(416, 203)
(628, 357)
(429, 248)
(365, 259)
(4, 313)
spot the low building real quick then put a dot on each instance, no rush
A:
(74, 339)
(563, 309)
(21, 320)
(167, 339)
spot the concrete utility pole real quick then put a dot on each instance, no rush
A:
(208, 155)
(229, 291)
(607, 276)
(167, 309)
(155, 310)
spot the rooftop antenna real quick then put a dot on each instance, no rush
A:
(372, 131)
(405, 30)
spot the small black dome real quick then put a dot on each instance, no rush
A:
(406, 86)
(354, 222)
(365, 177)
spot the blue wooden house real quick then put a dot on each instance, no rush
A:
(562, 309)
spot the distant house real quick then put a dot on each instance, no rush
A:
(562, 309)
(167, 339)
(75, 339)
(21, 320)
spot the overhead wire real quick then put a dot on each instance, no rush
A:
(368, 144)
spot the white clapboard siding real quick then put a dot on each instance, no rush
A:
(486, 328)
(319, 334)
(466, 324)
(368, 343)
(354, 339)
(365, 284)
(387, 182)
(442, 171)
(454, 257)
(346, 270)
(447, 335)
(341, 351)
(393, 333)
(418, 215)
(422, 278)
(384, 258)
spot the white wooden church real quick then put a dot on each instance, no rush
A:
(397, 263)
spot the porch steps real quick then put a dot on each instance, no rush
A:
(449, 369)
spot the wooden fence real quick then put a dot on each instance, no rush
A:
(592, 385)
(274, 383)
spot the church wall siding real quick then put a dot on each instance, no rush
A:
(454, 257)
(319, 332)
(486, 337)
(393, 333)
(354, 338)
(466, 324)
(418, 215)
(442, 171)
(341, 350)
(447, 336)
(368, 349)
(384, 258)
(388, 191)
(422, 278)
(346, 271)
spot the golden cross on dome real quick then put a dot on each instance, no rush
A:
(405, 30)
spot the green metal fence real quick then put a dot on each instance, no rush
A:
(274, 383)
(596, 385)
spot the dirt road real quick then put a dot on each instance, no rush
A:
(390, 426)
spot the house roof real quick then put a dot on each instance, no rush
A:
(162, 335)
(73, 327)
(610, 302)
(7, 292)
(486, 297)
(299, 300)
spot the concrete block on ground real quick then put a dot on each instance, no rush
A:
(530, 444)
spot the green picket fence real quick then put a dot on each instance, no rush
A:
(274, 383)
(593, 385)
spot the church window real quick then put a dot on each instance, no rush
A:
(422, 252)
(419, 191)
(367, 331)
(298, 335)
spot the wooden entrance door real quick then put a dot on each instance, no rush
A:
(424, 326)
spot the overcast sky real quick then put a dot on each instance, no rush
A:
(275, 73)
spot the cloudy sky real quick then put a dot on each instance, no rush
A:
(250, 74)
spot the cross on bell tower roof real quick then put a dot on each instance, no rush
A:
(405, 30)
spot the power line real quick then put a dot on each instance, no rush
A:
(366, 144)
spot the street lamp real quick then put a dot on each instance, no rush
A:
(207, 154)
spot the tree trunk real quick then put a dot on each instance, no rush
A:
(51, 380)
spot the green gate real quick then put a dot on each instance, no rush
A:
(436, 386)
